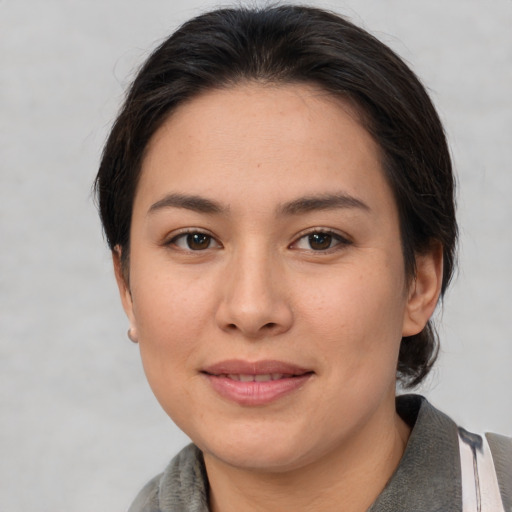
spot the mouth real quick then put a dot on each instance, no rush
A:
(261, 377)
(255, 383)
(272, 368)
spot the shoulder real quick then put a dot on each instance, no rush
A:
(501, 447)
(147, 499)
(182, 487)
(444, 464)
(501, 450)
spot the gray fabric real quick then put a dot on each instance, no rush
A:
(147, 499)
(427, 479)
(501, 449)
(182, 487)
(428, 476)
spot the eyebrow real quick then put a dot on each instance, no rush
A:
(189, 202)
(322, 202)
(296, 207)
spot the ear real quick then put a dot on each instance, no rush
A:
(424, 290)
(124, 288)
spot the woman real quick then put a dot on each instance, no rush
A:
(277, 194)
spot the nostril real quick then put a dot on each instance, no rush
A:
(270, 326)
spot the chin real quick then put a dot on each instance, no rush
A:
(274, 450)
(258, 459)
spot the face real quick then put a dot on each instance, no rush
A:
(267, 286)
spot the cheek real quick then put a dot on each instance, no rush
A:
(172, 314)
(170, 327)
(168, 302)
(356, 318)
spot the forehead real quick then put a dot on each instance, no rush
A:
(262, 113)
(271, 142)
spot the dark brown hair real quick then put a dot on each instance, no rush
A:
(297, 44)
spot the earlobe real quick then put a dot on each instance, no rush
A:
(124, 289)
(424, 290)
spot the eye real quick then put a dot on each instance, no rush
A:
(320, 241)
(194, 241)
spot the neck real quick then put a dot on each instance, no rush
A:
(352, 476)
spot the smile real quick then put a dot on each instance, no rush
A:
(255, 383)
(263, 377)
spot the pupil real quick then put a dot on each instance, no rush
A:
(320, 241)
(198, 241)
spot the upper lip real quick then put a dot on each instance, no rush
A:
(242, 367)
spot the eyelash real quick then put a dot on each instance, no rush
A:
(330, 236)
(189, 233)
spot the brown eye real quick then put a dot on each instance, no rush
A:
(198, 241)
(320, 241)
(194, 241)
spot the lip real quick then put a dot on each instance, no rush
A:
(285, 378)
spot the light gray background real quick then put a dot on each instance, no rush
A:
(80, 430)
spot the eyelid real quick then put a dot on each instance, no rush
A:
(172, 237)
(342, 239)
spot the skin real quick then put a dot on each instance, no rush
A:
(256, 288)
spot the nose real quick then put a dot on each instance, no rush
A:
(255, 300)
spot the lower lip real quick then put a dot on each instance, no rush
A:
(256, 393)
